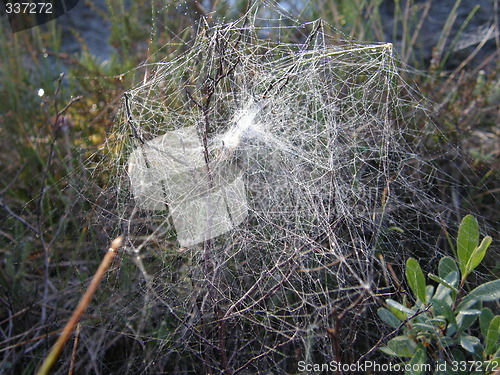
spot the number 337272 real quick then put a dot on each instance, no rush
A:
(32, 8)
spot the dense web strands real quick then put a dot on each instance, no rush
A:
(266, 177)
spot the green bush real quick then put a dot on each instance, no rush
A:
(447, 325)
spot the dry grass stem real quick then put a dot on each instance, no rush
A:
(82, 306)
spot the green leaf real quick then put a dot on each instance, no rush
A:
(452, 330)
(415, 278)
(398, 314)
(466, 304)
(467, 240)
(396, 229)
(438, 320)
(446, 341)
(478, 254)
(489, 291)
(416, 364)
(442, 308)
(445, 266)
(470, 312)
(400, 346)
(466, 318)
(399, 307)
(388, 317)
(388, 351)
(447, 284)
(468, 342)
(492, 336)
(485, 320)
(497, 355)
(429, 292)
(467, 314)
(426, 327)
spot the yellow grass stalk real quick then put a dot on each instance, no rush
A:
(82, 306)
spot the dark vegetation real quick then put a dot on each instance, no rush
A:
(54, 222)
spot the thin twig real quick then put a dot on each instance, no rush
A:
(210, 86)
(73, 354)
(82, 306)
(18, 218)
(130, 121)
(24, 342)
(389, 335)
(56, 127)
(262, 355)
(66, 107)
(469, 58)
(333, 333)
(9, 185)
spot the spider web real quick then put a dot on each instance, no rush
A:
(262, 184)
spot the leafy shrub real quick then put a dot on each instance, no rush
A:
(447, 325)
